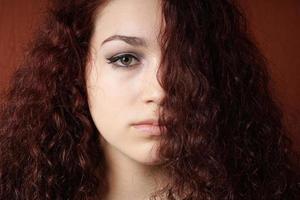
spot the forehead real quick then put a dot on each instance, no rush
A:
(139, 18)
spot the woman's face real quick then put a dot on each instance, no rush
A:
(125, 90)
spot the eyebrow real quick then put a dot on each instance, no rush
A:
(134, 41)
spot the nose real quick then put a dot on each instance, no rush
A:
(153, 92)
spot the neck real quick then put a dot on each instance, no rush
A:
(129, 179)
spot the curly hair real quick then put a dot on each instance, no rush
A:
(225, 137)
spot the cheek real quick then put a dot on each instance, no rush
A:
(105, 106)
(110, 106)
(113, 94)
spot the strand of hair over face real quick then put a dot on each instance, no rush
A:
(225, 137)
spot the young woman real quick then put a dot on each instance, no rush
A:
(135, 99)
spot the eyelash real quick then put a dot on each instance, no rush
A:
(114, 59)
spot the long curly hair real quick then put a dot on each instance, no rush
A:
(224, 137)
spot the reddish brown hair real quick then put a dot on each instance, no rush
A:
(225, 138)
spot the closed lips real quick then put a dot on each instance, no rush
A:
(147, 122)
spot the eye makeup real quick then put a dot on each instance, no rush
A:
(125, 60)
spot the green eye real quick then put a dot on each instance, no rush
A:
(125, 60)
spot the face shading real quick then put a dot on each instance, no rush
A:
(122, 77)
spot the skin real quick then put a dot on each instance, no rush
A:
(119, 95)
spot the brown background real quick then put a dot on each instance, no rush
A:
(275, 24)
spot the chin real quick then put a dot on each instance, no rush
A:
(150, 158)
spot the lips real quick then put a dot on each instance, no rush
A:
(148, 129)
(147, 122)
(149, 126)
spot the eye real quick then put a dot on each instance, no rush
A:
(124, 60)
